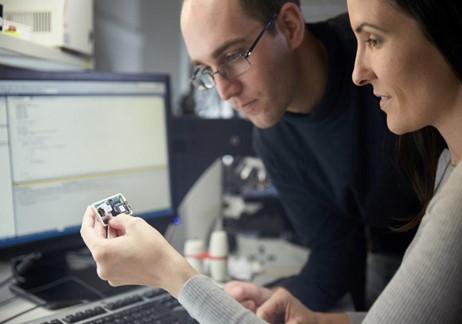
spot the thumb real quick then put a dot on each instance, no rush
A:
(273, 310)
(249, 304)
(119, 222)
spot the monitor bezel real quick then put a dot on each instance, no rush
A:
(72, 240)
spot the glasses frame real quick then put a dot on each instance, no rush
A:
(201, 70)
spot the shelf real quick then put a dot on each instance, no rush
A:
(24, 54)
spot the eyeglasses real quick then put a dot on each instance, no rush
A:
(204, 78)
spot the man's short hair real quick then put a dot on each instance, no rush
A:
(263, 9)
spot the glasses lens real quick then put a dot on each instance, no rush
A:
(203, 79)
(207, 80)
(234, 68)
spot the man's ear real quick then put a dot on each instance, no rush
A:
(291, 24)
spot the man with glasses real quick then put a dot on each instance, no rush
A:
(323, 141)
(234, 65)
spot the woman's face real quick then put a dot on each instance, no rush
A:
(414, 82)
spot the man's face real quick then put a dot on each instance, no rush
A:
(215, 30)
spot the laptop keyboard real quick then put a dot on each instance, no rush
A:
(143, 305)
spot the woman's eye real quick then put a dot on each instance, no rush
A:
(372, 42)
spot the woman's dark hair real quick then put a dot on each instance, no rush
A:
(418, 154)
(263, 9)
(441, 22)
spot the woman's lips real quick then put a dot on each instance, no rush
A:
(384, 101)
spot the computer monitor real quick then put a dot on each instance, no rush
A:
(70, 139)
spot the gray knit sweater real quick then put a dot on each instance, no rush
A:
(427, 287)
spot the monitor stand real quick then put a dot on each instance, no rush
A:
(52, 280)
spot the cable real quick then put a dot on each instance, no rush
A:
(51, 305)
(8, 300)
(21, 313)
(6, 281)
(20, 265)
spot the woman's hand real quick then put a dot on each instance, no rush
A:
(134, 253)
(250, 295)
(282, 307)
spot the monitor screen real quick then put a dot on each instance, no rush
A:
(70, 139)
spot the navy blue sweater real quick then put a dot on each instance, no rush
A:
(335, 171)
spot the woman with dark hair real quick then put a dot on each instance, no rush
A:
(410, 52)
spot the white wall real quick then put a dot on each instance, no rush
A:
(140, 36)
(144, 36)
(316, 10)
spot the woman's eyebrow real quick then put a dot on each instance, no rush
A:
(361, 27)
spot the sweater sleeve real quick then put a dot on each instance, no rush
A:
(209, 304)
(427, 287)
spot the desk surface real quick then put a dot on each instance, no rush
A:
(288, 261)
(18, 304)
(81, 266)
